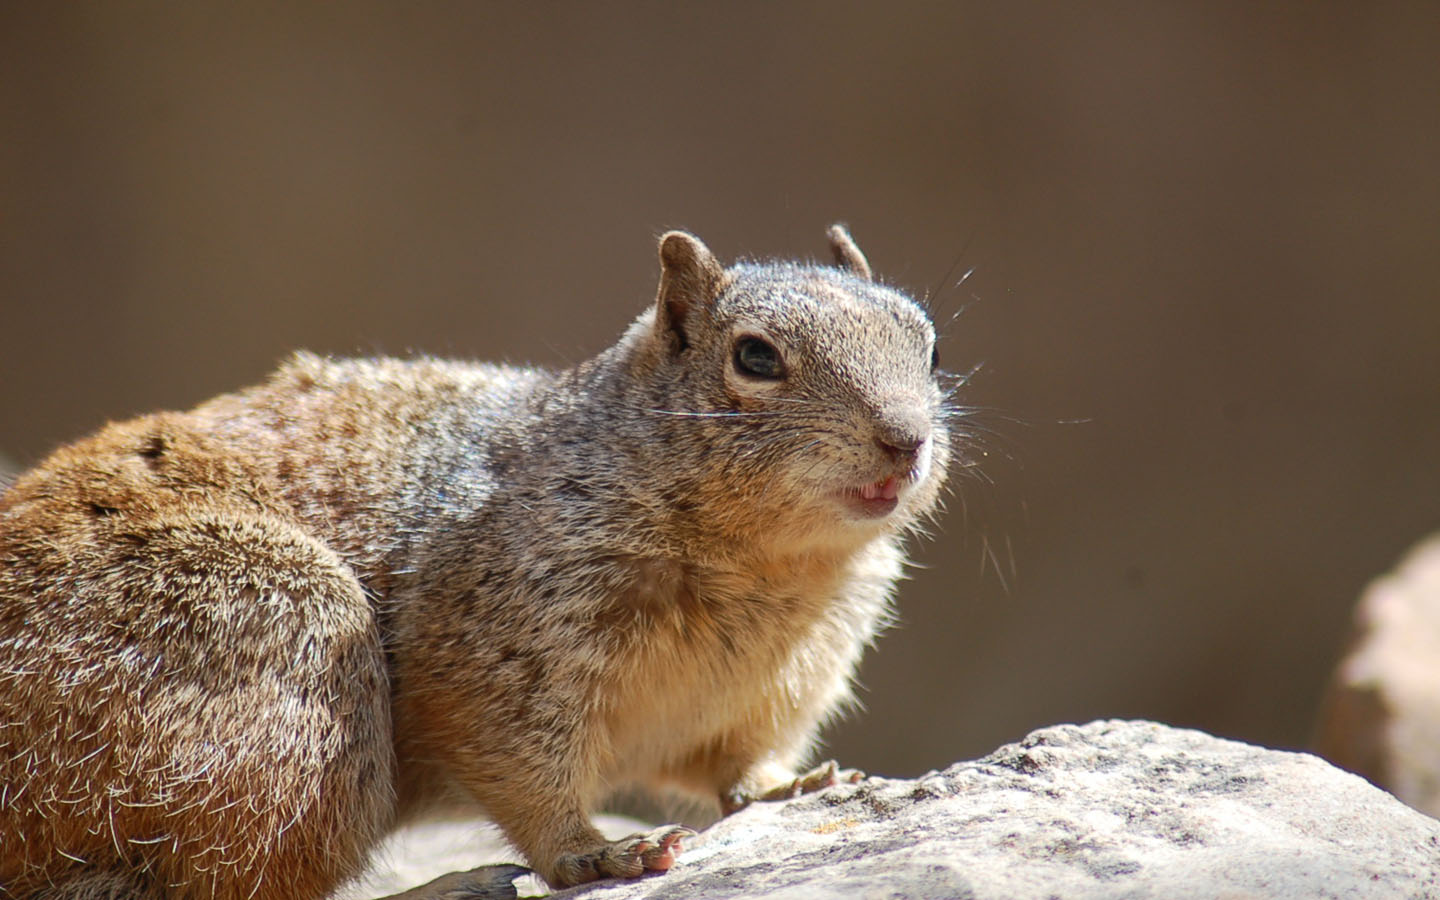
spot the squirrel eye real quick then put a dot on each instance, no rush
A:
(934, 357)
(758, 359)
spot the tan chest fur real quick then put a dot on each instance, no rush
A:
(721, 657)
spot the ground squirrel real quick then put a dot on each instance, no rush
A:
(240, 644)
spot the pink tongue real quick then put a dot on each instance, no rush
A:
(888, 489)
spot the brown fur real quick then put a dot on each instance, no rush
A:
(240, 644)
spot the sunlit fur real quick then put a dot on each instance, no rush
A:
(239, 644)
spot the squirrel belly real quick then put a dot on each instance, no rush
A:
(239, 644)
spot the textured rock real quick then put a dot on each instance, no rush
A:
(1107, 810)
(1382, 715)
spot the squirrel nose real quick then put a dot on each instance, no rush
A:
(902, 440)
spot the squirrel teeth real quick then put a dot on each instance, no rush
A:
(888, 489)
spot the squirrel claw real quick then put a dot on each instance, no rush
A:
(827, 774)
(628, 857)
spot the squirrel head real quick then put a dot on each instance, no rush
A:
(799, 399)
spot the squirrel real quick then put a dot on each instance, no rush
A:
(240, 644)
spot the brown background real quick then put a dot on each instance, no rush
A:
(1204, 241)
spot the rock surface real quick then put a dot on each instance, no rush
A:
(1382, 714)
(1106, 810)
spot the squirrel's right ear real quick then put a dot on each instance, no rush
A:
(689, 279)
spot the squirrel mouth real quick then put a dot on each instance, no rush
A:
(874, 500)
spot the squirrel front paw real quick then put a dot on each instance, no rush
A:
(628, 857)
(827, 774)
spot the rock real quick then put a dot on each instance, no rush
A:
(415, 855)
(1107, 810)
(420, 853)
(1381, 717)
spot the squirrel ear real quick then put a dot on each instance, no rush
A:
(847, 253)
(689, 275)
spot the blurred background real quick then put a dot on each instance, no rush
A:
(1204, 294)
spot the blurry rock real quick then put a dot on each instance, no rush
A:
(1382, 715)
(1110, 809)
(417, 854)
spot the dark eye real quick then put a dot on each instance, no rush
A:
(758, 359)
(934, 358)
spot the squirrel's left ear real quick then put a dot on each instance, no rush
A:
(690, 278)
(847, 252)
